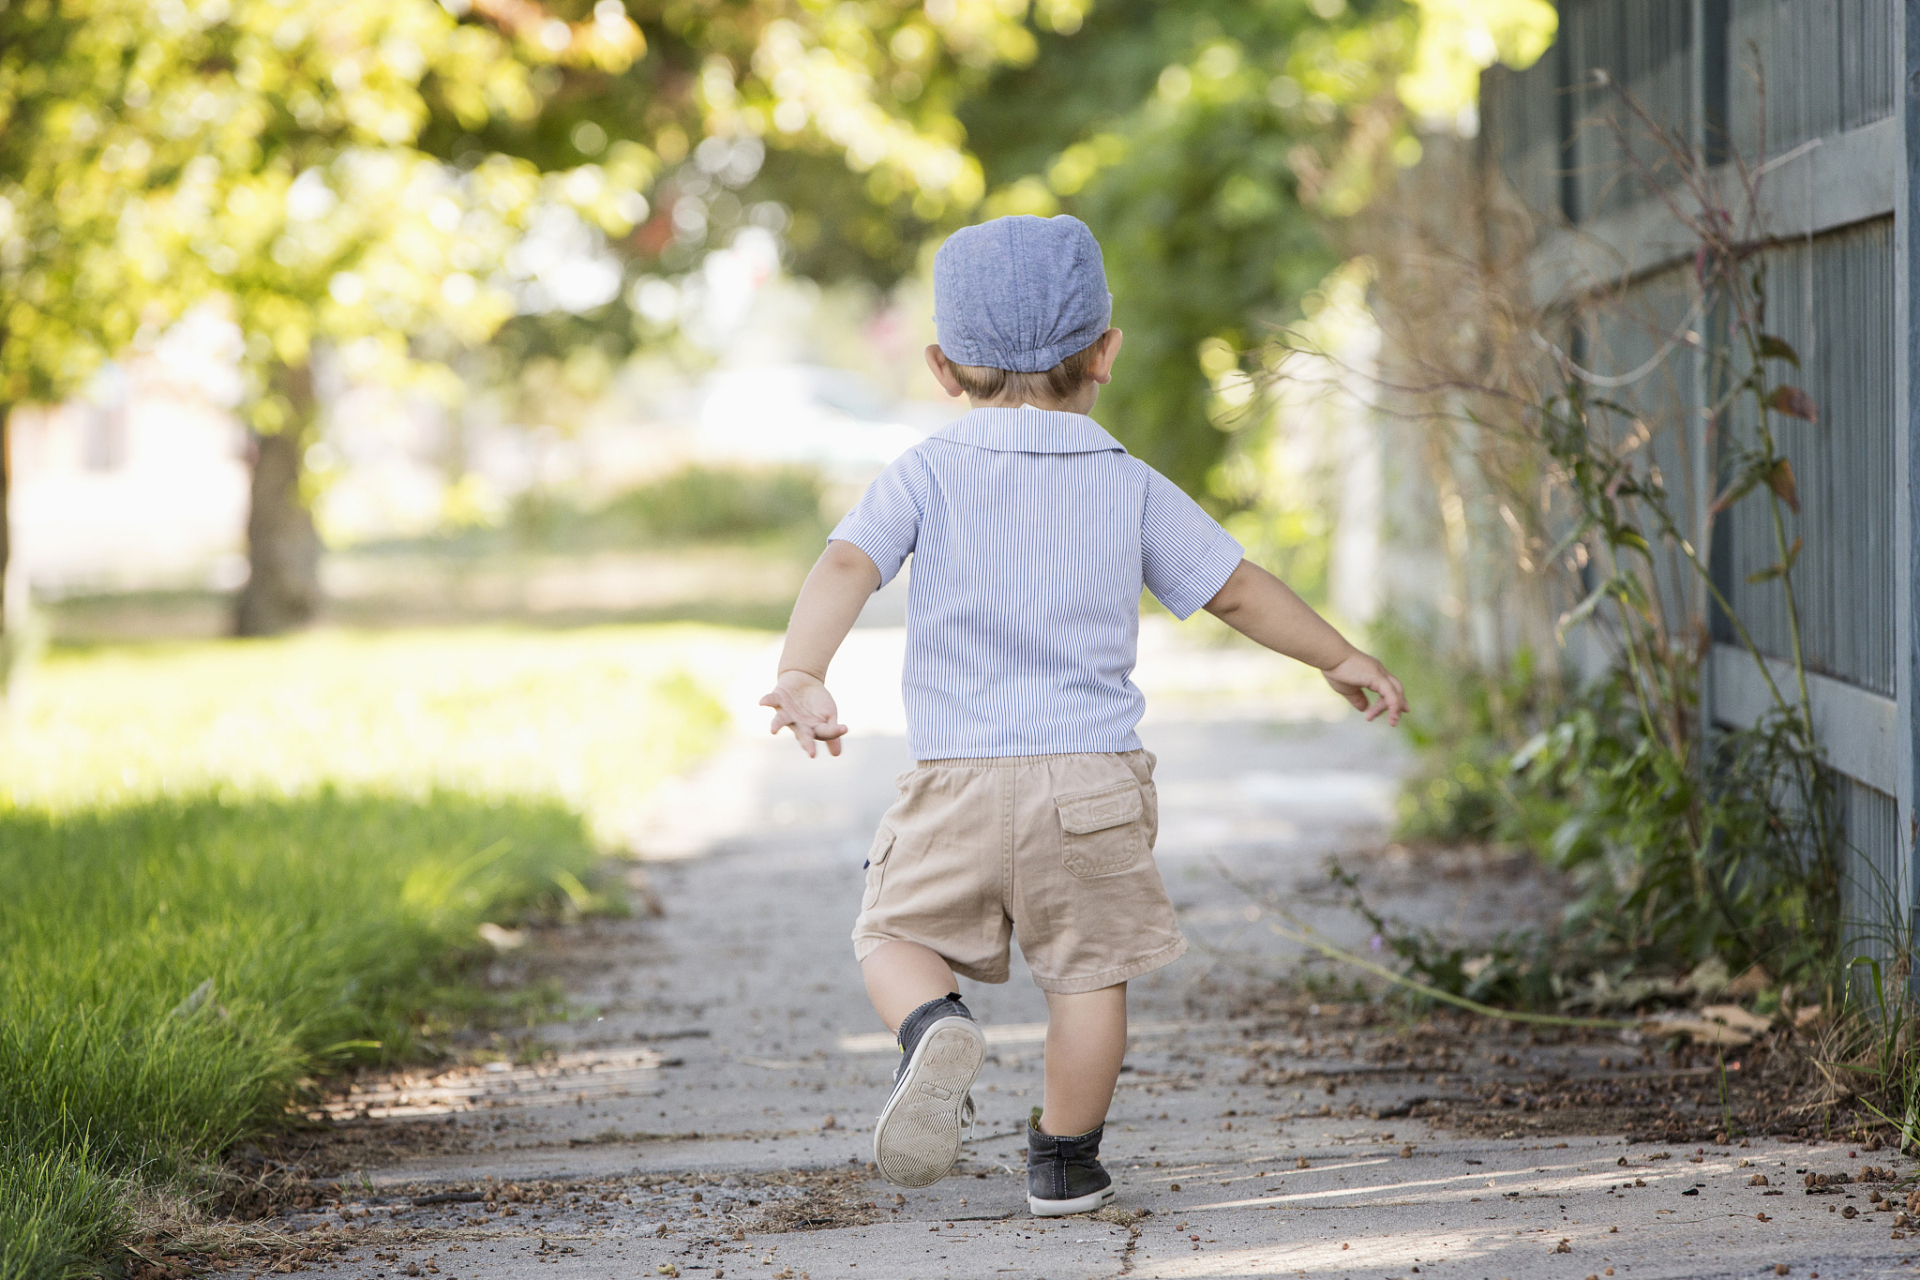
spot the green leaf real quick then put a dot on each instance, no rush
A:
(1741, 486)
(1525, 755)
(1574, 616)
(1780, 569)
(1573, 536)
(1772, 348)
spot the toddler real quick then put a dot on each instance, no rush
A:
(1032, 811)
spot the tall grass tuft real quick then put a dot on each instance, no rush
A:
(58, 1210)
(172, 969)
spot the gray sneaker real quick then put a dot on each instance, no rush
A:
(917, 1140)
(1064, 1175)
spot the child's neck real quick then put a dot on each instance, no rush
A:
(1080, 401)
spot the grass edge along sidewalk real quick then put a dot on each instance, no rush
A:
(187, 936)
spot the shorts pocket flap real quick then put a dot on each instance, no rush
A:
(1089, 811)
(882, 846)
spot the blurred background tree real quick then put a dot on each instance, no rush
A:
(363, 180)
(1204, 144)
(352, 176)
(78, 162)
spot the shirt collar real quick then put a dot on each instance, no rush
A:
(1030, 430)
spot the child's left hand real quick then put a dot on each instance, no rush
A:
(801, 703)
(1360, 672)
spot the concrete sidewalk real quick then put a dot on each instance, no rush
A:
(712, 1118)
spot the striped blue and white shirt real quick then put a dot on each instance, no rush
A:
(1032, 533)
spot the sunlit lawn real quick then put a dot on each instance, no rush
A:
(229, 864)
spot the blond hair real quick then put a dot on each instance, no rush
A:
(983, 382)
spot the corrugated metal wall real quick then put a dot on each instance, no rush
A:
(1646, 47)
(1826, 65)
(1794, 70)
(1844, 464)
(1520, 123)
(1644, 329)
(1873, 921)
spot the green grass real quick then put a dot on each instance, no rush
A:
(590, 718)
(231, 866)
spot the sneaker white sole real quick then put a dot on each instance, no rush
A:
(1063, 1208)
(917, 1139)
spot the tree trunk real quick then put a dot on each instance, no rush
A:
(6, 529)
(283, 550)
(13, 572)
(18, 640)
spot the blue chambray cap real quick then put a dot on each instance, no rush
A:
(1020, 293)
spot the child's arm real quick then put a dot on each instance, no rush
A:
(1266, 611)
(839, 585)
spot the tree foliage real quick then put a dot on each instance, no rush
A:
(361, 173)
(378, 176)
(1207, 145)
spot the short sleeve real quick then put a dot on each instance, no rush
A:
(885, 523)
(1185, 556)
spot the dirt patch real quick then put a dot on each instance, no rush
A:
(828, 1198)
(315, 1222)
(157, 1259)
(1487, 1077)
(330, 1148)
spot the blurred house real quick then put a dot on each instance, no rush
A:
(141, 482)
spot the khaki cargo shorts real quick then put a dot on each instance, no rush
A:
(1056, 849)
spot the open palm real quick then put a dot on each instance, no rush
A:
(801, 703)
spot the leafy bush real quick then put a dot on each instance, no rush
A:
(1671, 866)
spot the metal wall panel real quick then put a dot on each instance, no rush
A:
(1833, 302)
(1873, 917)
(1646, 48)
(1803, 69)
(1644, 333)
(1869, 61)
(1519, 118)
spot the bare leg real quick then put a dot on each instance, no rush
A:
(1086, 1039)
(902, 976)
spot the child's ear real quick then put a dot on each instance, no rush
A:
(943, 370)
(1101, 370)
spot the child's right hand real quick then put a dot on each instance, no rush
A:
(1359, 672)
(801, 703)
